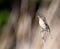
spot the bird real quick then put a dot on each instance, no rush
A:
(43, 24)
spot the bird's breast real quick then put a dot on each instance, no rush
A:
(42, 23)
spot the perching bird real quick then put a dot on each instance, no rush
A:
(43, 24)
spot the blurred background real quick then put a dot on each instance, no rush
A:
(19, 24)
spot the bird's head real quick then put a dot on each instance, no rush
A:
(42, 17)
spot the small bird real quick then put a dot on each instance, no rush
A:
(45, 27)
(43, 24)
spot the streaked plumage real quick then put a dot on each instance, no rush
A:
(43, 24)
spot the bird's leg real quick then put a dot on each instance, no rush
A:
(43, 35)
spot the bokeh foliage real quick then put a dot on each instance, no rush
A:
(5, 8)
(4, 14)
